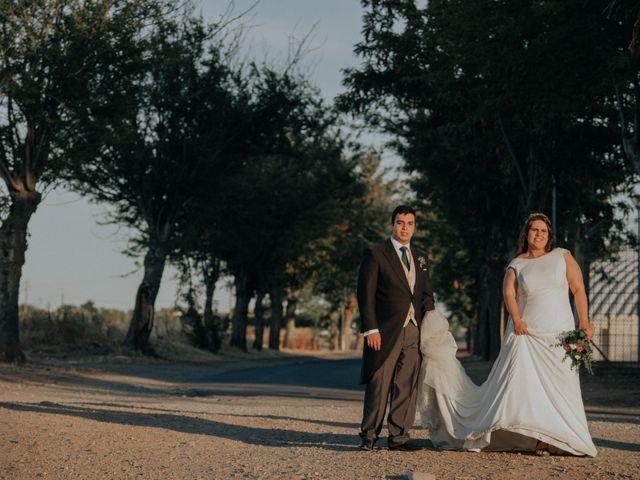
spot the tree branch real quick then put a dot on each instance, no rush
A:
(5, 173)
(636, 111)
(513, 156)
(619, 107)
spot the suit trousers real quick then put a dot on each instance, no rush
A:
(394, 382)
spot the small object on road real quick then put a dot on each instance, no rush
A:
(418, 476)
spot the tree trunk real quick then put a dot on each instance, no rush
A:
(259, 318)
(334, 327)
(359, 338)
(13, 245)
(143, 312)
(276, 318)
(487, 342)
(213, 335)
(239, 328)
(290, 318)
(347, 316)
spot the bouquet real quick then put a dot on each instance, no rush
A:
(577, 347)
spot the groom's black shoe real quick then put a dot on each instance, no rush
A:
(367, 444)
(406, 447)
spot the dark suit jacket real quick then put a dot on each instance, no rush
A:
(384, 297)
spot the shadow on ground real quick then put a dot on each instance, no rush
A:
(630, 447)
(275, 437)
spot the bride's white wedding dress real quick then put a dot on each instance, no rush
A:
(530, 394)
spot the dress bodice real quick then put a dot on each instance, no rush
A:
(540, 274)
(543, 291)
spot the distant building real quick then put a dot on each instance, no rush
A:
(613, 307)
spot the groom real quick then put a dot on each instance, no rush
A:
(394, 292)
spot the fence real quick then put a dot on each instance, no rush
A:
(613, 309)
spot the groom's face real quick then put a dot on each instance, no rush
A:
(403, 227)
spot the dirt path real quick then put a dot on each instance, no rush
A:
(293, 418)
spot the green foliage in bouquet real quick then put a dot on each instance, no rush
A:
(577, 348)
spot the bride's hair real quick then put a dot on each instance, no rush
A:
(523, 244)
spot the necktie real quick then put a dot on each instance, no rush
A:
(405, 258)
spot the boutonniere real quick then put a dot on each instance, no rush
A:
(423, 263)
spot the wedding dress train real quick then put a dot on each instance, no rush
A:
(530, 394)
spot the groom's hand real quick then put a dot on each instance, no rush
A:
(374, 340)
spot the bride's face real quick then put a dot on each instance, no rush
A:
(538, 235)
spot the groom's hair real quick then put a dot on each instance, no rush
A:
(402, 210)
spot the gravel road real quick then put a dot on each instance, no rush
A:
(290, 417)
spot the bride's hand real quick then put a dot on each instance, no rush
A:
(588, 329)
(520, 328)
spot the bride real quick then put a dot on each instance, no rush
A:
(531, 399)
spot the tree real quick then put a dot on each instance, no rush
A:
(627, 11)
(205, 331)
(50, 55)
(364, 219)
(624, 73)
(163, 148)
(488, 113)
(283, 194)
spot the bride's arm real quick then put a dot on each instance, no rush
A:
(576, 285)
(509, 291)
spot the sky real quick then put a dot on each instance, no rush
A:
(72, 257)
